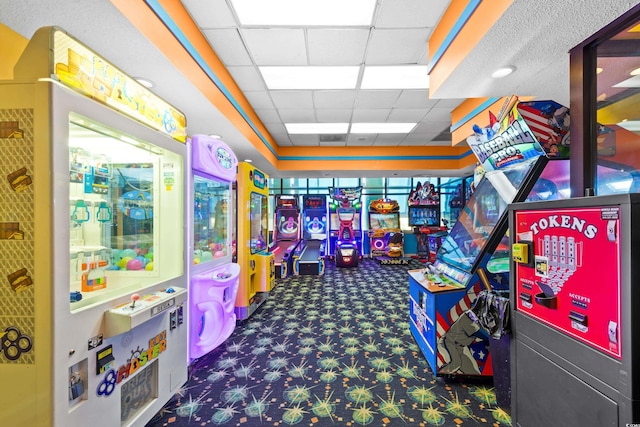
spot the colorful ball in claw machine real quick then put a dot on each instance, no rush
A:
(149, 266)
(134, 264)
(129, 253)
(123, 262)
(206, 256)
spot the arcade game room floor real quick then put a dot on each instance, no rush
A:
(331, 350)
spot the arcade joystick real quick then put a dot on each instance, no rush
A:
(134, 298)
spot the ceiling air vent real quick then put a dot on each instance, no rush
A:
(340, 137)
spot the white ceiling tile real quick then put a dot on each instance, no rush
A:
(259, 99)
(393, 47)
(410, 13)
(333, 115)
(283, 141)
(406, 115)
(268, 116)
(247, 78)
(228, 46)
(390, 138)
(276, 46)
(297, 115)
(415, 98)
(291, 99)
(433, 128)
(333, 143)
(334, 98)
(210, 13)
(370, 115)
(360, 139)
(439, 114)
(304, 140)
(377, 98)
(337, 46)
(448, 103)
(276, 128)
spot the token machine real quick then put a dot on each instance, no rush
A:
(257, 277)
(94, 314)
(213, 284)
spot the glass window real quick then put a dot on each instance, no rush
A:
(618, 113)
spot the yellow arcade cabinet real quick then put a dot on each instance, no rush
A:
(92, 248)
(257, 276)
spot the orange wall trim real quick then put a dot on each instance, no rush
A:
(463, 25)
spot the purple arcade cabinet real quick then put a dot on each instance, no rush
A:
(213, 277)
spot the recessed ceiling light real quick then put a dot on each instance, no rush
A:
(599, 70)
(213, 135)
(310, 77)
(395, 77)
(503, 72)
(145, 82)
(316, 128)
(305, 13)
(248, 160)
(635, 72)
(382, 127)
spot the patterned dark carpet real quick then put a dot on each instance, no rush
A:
(329, 350)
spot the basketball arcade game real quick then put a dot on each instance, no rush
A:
(385, 236)
(286, 233)
(451, 340)
(310, 253)
(93, 313)
(346, 236)
(213, 284)
(257, 276)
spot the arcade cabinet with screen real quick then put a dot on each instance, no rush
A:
(441, 294)
(257, 276)
(94, 313)
(310, 253)
(213, 285)
(424, 216)
(385, 236)
(346, 236)
(286, 233)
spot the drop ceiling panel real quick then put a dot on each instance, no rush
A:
(410, 13)
(334, 98)
(360, 140)
(304, 140)
(247, 78)
(268, 116)
(211, 13)
(371, 115)
(437, 114)
(334, 115)
(297, 115)
(431, 127)
(276, 46)
(389, 139)
(415, 99)
(377, 98)
(337, 46)
(408, 115)
(228, 46)
(289, 99)
(394, 47)
(259, 99)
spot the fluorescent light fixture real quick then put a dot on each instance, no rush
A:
(310, 77)
(503, 72)
(382, 127)
(145, 82)
(395, 77)
(316, 128)
(304, 13)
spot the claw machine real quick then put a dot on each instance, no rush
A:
(92, 246)
(258, 275)
(574, 303)
(213, 277)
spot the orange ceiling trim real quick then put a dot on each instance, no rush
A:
(460, 134)
(484, 17)
(143, 17)
(394, 165)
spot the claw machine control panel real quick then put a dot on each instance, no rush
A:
(94, 314)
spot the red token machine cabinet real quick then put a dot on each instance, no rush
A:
(574, 281)
(92, 243)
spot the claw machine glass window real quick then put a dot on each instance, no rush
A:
(211, 240)
(258, 217)
(120, 240)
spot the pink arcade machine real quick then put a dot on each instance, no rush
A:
(213, 277)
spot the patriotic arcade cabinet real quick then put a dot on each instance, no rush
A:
(93, 320)
(472, 256)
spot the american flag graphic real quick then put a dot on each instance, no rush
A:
(443, 324)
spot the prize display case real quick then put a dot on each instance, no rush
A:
(93, 248)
